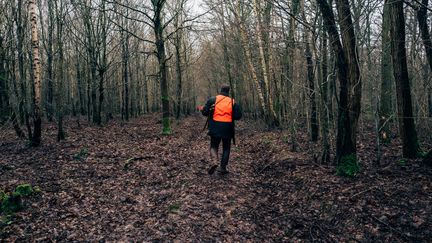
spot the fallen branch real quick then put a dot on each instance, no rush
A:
(133, 159)
(394, 229)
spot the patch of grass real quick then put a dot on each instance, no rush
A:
(266, 140)
(5, 168)
(174, 208)
(348, 166)
(81, 154)
(286, 139)
(402, 162)
(13, 202)
(166, 126)
(23, 190)
(2, 195)
(6, 220)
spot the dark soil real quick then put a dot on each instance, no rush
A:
(135, 184)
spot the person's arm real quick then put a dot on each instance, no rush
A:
(237, 112)
(206, 110)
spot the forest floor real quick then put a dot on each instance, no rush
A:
(126, 181)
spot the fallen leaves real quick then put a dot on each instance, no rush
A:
(125, 182)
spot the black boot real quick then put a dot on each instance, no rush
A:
(222, 170)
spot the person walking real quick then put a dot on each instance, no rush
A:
(221, 111)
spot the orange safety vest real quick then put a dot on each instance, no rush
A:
(223, 109)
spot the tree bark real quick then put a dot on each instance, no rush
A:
(314, 128)
(325, 106)
(4, 94)
(348, 74)
(125, 65)
(424, 30)
(387, 79)
(61, 77)
(179, 71)
(161, 55)
(248, 55)
(50, 62)
(403, 90)
(37, 122)
(271, 116)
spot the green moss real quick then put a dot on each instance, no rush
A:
(174, 208)
(11, 203)
(81, 154)
(166, 126)
(402, 162)
(348, 166)
(23, 190)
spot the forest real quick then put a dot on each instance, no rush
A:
(102, 136)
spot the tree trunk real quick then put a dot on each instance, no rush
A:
(387, 79)
(146, 108)
(312, 94)
(160, 46)
(244, 43)
(403, 90)
(325, 157)
(50, 62)
(424, 30)
(349, 78)
(125, 65)
(37, 122)
(61, 76)
(271, 116)
(179, 72)
(4, 94)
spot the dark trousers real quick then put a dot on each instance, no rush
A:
(226, 145)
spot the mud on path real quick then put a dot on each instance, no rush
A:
(131, 183)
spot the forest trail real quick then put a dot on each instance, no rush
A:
(126, 181)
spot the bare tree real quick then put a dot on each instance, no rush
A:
(37, 121)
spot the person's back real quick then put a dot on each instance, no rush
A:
(222, 111)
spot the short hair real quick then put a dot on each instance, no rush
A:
(225, 88)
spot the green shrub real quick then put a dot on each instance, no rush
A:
(348, 166)
(174, 208)
(81, 154)
(23, 190)
(11, 203)
(2, 195)
(402, 162)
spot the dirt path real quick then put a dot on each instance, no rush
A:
(165, 194)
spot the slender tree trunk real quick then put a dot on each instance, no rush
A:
(248, 55)
(79, 84)
(349, 77)
(403, 90)
(160, 46)
(179, 73)
(61, 78)
(312, 94)
(4, 94)
(271, 116)
(125, 65)
(50, 62)
(325, 157)
(146, 108)
(102, 61)
(22, 107)
(387, 79)
(424, 30)
(37, 122)
(227, 61)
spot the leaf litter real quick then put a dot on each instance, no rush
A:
(126, 181)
